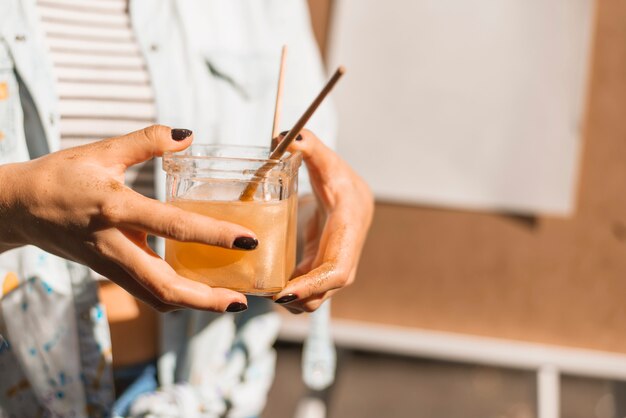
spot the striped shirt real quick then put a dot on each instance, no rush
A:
(102, 80)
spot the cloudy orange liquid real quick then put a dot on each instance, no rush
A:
(263, 271)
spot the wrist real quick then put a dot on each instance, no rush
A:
(9, 204)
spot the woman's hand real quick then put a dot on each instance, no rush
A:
(74, 204)
(336, 233)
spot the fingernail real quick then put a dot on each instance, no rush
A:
(180, 134)
(245, 243)
(298, 138)
(236, 307)
(290, 297)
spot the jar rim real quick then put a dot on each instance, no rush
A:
(249, 155)
(184, 154)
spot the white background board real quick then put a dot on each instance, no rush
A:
(467, 104)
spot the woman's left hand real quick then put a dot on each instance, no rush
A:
(336, 233)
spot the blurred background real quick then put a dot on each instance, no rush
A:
(492, 284)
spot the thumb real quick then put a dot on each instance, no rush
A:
(328, 173)
(144, 144)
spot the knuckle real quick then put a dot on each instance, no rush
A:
(343, 279)
(176, 227)
(210, 230)
(152, 135)
(222, 233)
(111, 212)
(164, 294)
(100, 246)
(154, 132)
(342, 275)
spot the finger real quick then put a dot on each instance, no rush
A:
(310, 304)
(130, 209)
(111, 270)
(326, 277)
(337, 258)
(90, 254)
(118, 275)
(143, 145)
(320, 160)
(154, 274)
(331, 177)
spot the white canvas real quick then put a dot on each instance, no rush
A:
(466, 104)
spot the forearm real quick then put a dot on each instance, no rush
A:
(9, 204)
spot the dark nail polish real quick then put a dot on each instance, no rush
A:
(298, 138)
(180, 134)
(290, 297)
(236, 307)
(245, 243)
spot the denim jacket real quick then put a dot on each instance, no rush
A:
(213, 64)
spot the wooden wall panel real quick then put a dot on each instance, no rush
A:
(558, 281)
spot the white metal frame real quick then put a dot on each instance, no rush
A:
(547, 361)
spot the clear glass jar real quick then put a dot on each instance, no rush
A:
(211, 180)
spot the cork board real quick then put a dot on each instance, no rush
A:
(548, 280)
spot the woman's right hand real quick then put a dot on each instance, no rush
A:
(74, 204)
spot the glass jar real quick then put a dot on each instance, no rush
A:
(241, 185)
